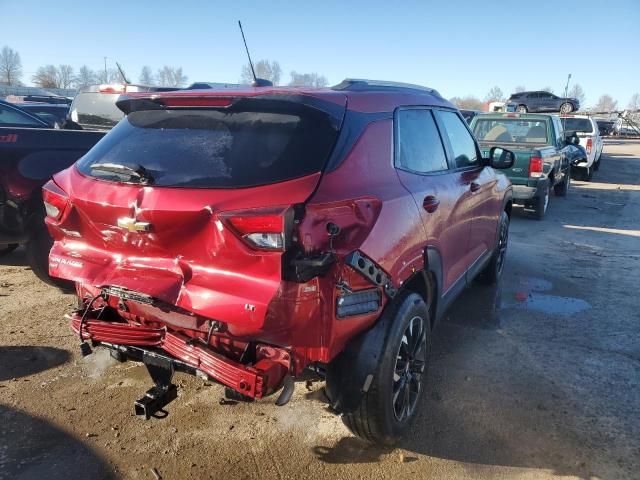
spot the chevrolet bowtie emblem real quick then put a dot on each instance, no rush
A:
(132, 225)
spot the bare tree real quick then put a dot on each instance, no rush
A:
(634, 102)
(10, 66)
(146, 76)
(520, 89)
(85, 77)
(307, 80)
(171, 77)
(46, 77)
(467, 103)
(577, 92)
(494, 95)
(268, 70)
(65, 76)
(547, 89)
(606, 103)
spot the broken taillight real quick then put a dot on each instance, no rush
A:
(264, 229)
(535, 166)
(55, 200)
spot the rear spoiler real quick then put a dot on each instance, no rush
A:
(266, 102)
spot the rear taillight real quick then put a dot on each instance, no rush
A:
(535, 166)
(112, 88)
(264, 229)
(55, 200)
(589, 145)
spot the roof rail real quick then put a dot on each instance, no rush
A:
(362, 84)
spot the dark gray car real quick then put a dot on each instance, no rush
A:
(541, 101)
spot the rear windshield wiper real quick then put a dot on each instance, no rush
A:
(133, 171)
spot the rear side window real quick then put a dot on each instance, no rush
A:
(10, 116)
(418, 143)
(462, 144)
(216, 148)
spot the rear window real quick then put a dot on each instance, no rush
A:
(507, 130)
(216, 148)
(577, 125)
(96, 109)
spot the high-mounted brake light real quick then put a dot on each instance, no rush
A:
(535, 166)
(112, 88)
(263, 229)
(195, 102)
(589, 145)
(55, 200)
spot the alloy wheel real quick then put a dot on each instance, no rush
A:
(410, 365)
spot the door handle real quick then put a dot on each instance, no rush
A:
(430, 203)
(474, 187)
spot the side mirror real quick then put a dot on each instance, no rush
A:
(501, 158)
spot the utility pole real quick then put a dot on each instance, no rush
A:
(106, 77)
(566, 88)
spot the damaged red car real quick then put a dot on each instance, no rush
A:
(250, 234)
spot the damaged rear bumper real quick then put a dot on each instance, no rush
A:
(257, 380)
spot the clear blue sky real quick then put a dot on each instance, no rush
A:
(458, 47)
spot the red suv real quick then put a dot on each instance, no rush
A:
(247, 235)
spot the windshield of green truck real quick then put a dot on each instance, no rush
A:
(511, 130)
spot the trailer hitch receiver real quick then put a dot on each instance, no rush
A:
(163, 392)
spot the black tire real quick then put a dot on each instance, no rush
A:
(587, 174)
(596, 164)
(7, 249)
(540, 205)
(566, 108)
(562, 189)
(522, 109)
(37, 249)
(387, 409)
(493, 271)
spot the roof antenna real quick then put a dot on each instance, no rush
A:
(122, 74)
(257, 82)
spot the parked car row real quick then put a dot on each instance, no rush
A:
(545, 152)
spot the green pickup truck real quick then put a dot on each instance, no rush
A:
(544, 154)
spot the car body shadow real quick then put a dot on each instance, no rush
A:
(33, 449)
(17, 258)
(22, 361)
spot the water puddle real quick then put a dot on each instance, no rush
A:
(553, 304)
(529, 297)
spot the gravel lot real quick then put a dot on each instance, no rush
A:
(539, 378)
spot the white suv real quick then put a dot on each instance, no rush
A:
(587, 130)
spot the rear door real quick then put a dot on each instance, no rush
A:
(548, 102)
(477, 203)
(533, 101)
(422, 166)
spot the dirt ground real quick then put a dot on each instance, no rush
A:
(539, 378)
